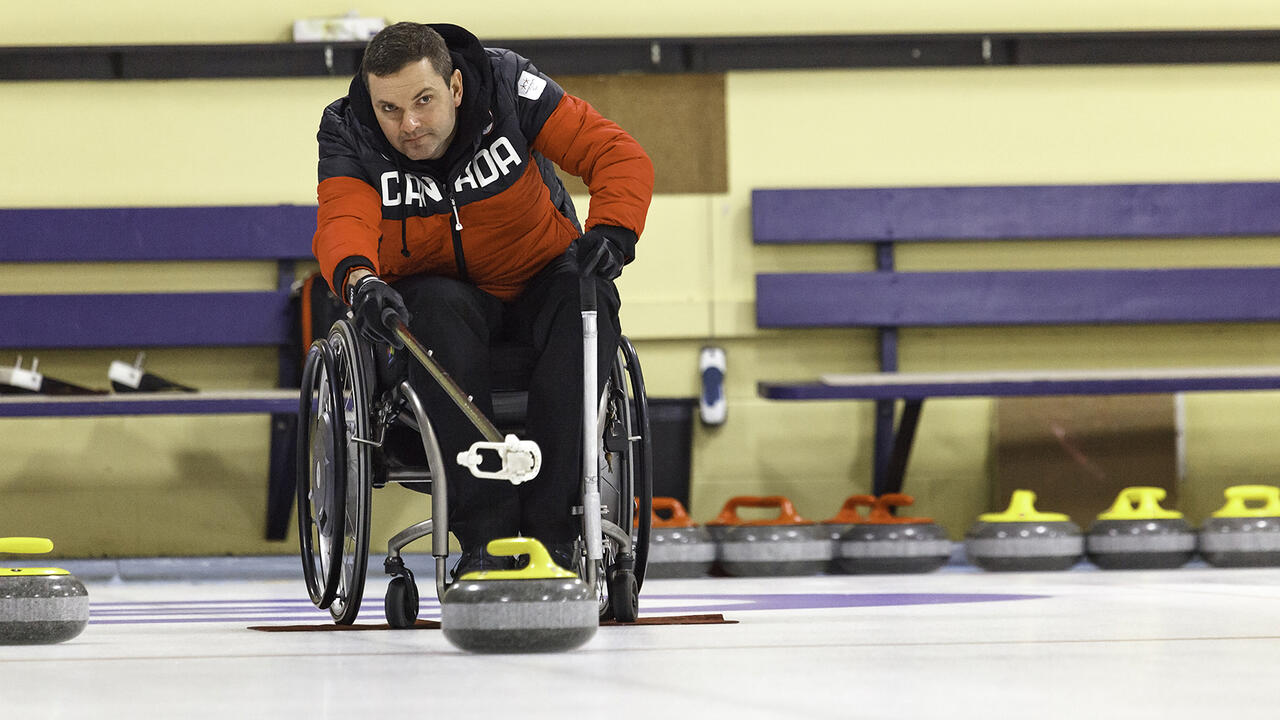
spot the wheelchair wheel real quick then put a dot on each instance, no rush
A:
(321, 451)
(353, 363)
(401, 604)
(625, 473)
(642, 459)
(624, 596)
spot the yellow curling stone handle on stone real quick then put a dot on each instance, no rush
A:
(1022, 508)
(1139, 503)
(28, 546)
(540, 567)
(1239, 495)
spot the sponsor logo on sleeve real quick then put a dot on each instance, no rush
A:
(530, 85)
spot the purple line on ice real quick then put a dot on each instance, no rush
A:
(295, 610)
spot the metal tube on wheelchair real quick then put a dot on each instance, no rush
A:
(451, 388)
(439, 484)
(590, 422)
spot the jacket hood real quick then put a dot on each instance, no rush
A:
(470, 57)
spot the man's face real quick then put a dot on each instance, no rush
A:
(416, 109)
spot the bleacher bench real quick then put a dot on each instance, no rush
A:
(132, 321)
(887, 299)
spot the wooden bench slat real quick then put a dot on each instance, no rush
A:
(1040, 297)
(271, 232)
(233, 319)
(842, 215)
(198, 403)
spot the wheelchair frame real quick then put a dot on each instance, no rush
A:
(341, 424)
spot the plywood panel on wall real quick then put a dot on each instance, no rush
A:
(1078, 453)
(679, 119)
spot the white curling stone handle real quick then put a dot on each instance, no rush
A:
(521, 460)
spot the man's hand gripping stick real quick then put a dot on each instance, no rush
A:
(521, 459)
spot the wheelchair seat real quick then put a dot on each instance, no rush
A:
(511, 368)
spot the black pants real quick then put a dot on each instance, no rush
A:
(461, 323)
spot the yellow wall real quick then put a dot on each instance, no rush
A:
(84, 22)
(125, 486)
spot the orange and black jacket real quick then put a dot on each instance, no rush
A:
(490, 212)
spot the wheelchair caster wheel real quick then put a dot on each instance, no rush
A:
(624, 596)
(402, 602)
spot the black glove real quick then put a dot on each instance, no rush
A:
(371, 298)
(604, 249)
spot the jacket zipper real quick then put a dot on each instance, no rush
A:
(458, 257)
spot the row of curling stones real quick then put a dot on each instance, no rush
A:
(39, 605)
(883, 542)
(1135, 533)
(538, 608)
(1245, 532)
(678, 547)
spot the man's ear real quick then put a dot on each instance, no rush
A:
(455, 87)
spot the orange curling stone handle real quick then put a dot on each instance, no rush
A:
(677, 517)
(787, 514)
(881, 513)
(848, 514)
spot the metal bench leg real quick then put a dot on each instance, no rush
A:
(282, 474)
(883, 442)
(891, 465)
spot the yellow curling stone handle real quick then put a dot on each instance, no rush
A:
(25, 545)
(1139, 503)
(540, 567)
(31, 572)
(28, 546)
(1022, 508)
(1239, 495)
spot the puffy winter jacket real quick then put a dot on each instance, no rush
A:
(499, 214)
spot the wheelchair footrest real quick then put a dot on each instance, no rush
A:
(521, 460)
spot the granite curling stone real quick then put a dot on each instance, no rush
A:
(842, 522)
(886, 543)
(539, 608)
(39, 605)
(678, 547)
(1245, 532)
(785, 545)
(1023, 538)
(1138, 534)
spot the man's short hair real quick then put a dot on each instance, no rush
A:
(401, 44)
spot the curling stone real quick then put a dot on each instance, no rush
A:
(785, 545)
(539, 608)
(678, 547)
(1138, 534)
(1022, 538)
(842, 522)
(1246, 531)
(39, 605)
(885, 543)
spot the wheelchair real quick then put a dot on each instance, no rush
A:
(361, 427)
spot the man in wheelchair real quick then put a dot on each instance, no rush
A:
(439, 202)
